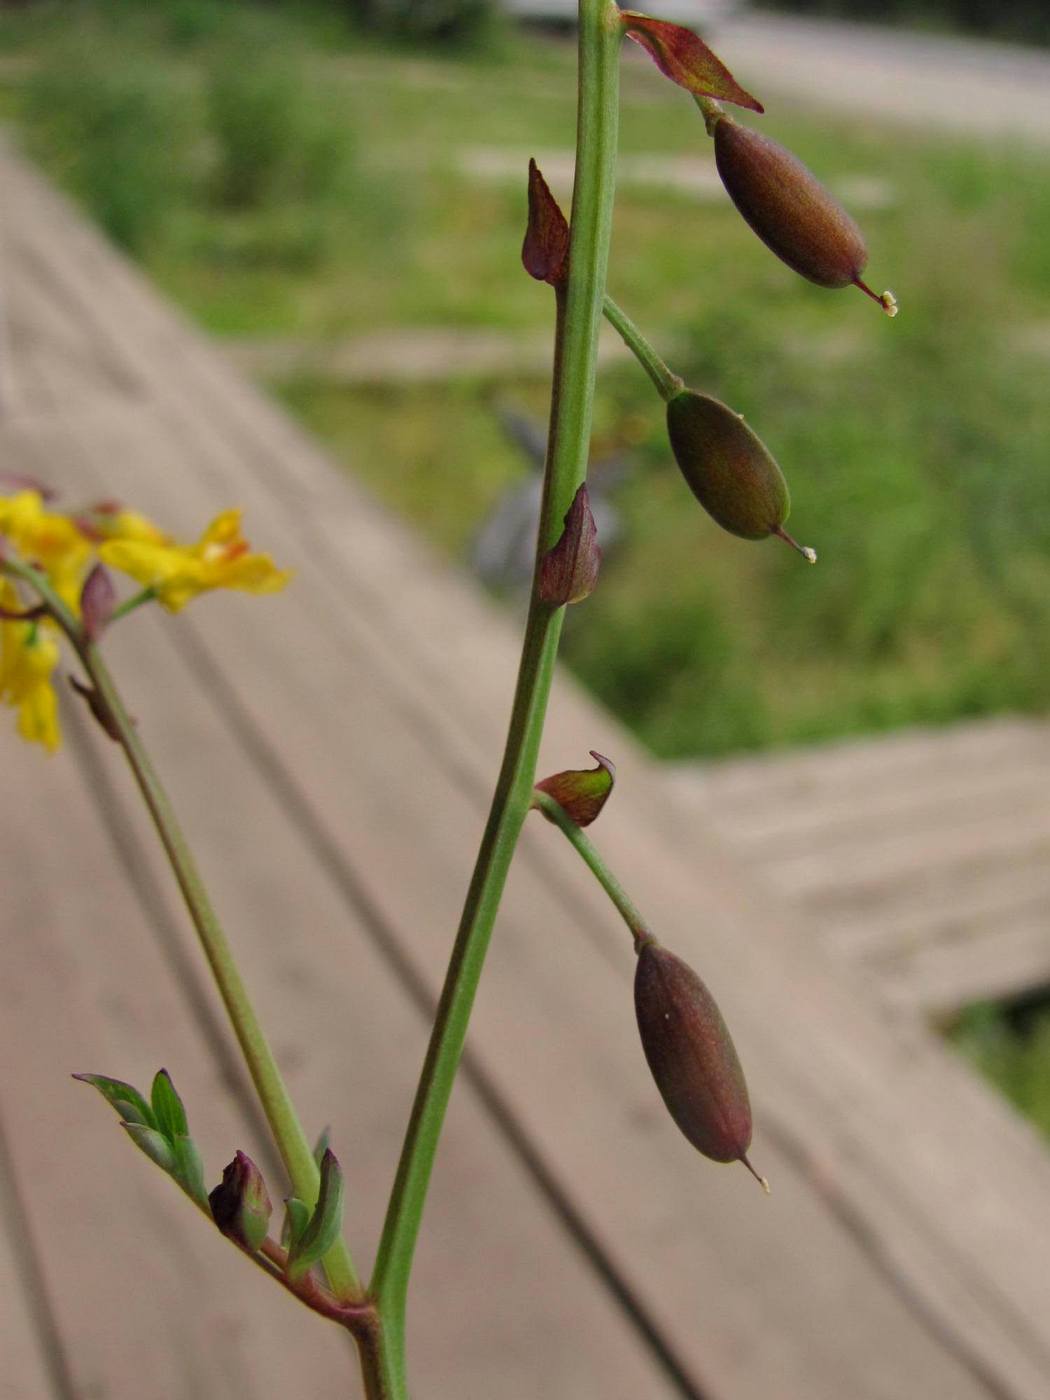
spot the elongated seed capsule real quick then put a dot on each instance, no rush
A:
(692, 1057)
(729, 469)
(791, 211)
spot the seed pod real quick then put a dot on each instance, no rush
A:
(691, 1056)
(791, 211)
(728, 468)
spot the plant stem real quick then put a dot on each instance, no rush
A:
(288, 1133)
(543, 802)
(144, 595)
(667, 383)
(579, 312)
(291, 1140)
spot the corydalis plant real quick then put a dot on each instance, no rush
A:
(55, 584)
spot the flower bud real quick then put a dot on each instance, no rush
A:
(240, 1204)
(791, 211)
(728, 468)
(692, 1057)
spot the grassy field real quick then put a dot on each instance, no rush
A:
(279, 176)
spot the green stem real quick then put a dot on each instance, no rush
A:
(292, 1142)
(543, 802)
(667, 382)
(568, 442)
(144, 595)
(288, 1133)
(712, 112)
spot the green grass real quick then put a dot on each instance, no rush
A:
(1011, 1046)
(321, 195)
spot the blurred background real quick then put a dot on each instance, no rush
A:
(336, 192)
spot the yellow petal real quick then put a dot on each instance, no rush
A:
(38, 717)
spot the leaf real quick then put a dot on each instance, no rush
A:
(189, 1169)
(321, 1146)
(325, 1223)
(167, 1107)
(545, 251)
(155, 1145)
(569, 571)
(582, 793)
(683, 57)
(127, 1100)
(296, 1219)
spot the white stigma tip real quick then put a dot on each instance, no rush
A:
(809, 554)
(889, 303)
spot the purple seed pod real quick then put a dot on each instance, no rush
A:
(691, 1056)
(791, 211)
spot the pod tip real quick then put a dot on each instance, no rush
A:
(760, 1179)
(807, 552)
(887, 301)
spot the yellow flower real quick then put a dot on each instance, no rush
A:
(116, 522)
(28, 656)
(221, 558)
(53, 542)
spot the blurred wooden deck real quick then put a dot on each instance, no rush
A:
(331, 751)
(922, 855)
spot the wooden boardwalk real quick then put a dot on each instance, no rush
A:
(924, 855)
(331, 751)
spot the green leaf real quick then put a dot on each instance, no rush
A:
(127, 1100)
(325, 1224)
(683, 57)
(156, 1147)
(167, 1107)
(296, 1219)
(321, 1146)
(189, 1169)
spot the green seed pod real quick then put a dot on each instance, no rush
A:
(791, 211)
(692, 1057)
(728, 468)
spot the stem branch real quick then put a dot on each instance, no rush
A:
(288, 1133)
(578, 839)
(579, 312)
(667, 382)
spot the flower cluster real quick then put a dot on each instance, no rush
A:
(63, 549)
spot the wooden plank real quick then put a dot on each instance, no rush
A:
(33, 1368)
(964, 904)
(375, 826)
(844, 813)
(913, 757)
(934, 874)
(121, 1251)
(481, 1190)
(1002, 959)
(966, 1308)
